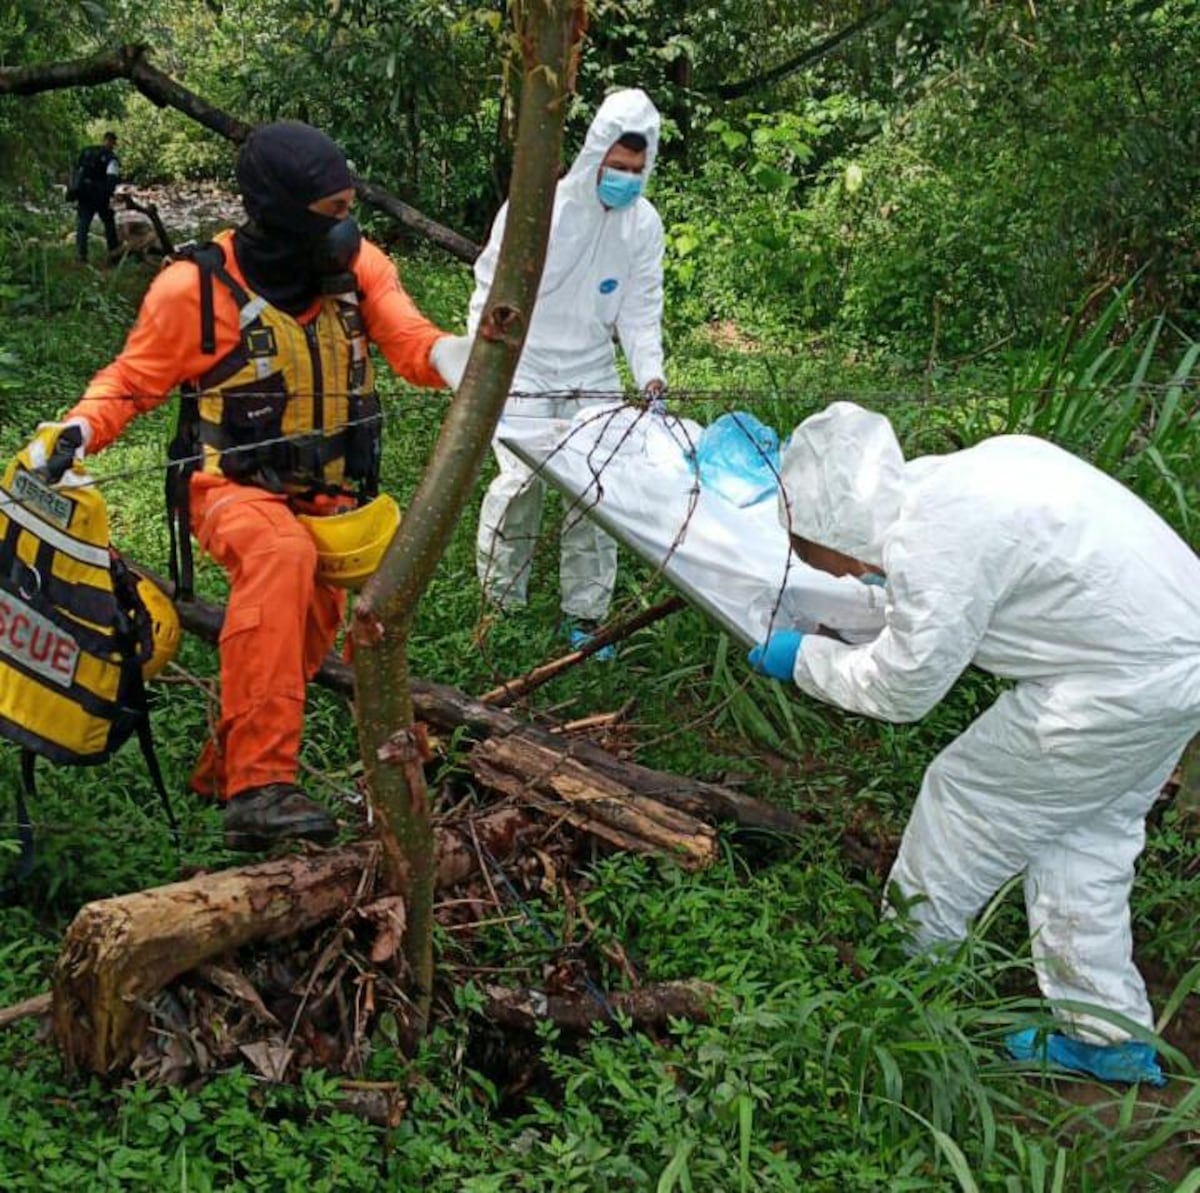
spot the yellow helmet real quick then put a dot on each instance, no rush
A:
(164, 626)
(350, 545)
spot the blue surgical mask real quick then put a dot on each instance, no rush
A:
(618, 188)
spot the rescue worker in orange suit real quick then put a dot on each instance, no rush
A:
(273, 382)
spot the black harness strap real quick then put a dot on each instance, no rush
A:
(208, 328)
(179, 509)
(185, 448)
(146, 742)
(28, 787)
(23, 866)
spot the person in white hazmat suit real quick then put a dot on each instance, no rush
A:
(1020, 558)
(603, 273)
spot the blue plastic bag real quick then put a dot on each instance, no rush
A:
(738, 457)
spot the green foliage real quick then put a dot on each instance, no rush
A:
(832, 1064)
(951, 180)
(1109, 389)
(737, 228)
(1028, 173)
(39, 136)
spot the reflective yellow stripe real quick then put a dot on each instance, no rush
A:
(52, 715)
(60, 541)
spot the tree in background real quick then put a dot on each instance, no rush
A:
(930, 178)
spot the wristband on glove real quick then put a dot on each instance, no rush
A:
(449, 356)
(776, 656)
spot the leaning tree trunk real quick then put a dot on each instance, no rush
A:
(548, 33)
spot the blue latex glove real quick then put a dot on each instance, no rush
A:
(1129, 1062)
(874, 579)
(776, 656)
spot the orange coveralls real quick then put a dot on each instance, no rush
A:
(280, 621)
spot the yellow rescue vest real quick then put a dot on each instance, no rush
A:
(292, 407)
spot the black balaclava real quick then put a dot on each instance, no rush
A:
(281, 169)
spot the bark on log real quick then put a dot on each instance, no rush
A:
(595, 802)
(131, 62)
(119, 952)
(648, 1007)
(448, 708)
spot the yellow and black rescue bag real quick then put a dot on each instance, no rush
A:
(74, 632)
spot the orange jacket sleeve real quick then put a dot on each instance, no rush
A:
(162, 350)
(393, 322)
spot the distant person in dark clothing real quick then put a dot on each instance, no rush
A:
(93, 182)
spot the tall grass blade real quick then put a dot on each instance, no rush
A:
(1179, 995)
(676, 1174)
(745, 1123)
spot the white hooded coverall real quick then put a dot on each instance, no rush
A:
(1019, 557)
(603, 273)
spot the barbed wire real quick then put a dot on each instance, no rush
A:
(590, 496)
(189, 462)
(676, 397)
(924, 392)
(601, 453)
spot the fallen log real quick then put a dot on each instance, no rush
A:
(647, 1007)
(593, 802)
(447, 708)
(118, 953)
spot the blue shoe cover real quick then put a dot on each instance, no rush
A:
(580, 638)
(1130, 1062)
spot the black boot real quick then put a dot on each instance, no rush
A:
(260, 816)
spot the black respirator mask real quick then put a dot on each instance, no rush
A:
(334, 254)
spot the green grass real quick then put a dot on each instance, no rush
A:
(834, 1064)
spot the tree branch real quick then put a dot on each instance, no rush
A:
(805, 58)
(131, 62)
(78, 72)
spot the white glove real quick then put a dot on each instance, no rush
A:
(449, 356)
(42, 446)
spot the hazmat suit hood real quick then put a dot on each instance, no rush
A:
(842, 478)
(628, 111)
(578, 212)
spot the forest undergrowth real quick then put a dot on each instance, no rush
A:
(834, 1061)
